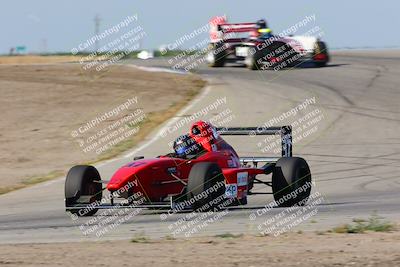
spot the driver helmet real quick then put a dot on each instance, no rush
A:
(185, 146)
(262, 24)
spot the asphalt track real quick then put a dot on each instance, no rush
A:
(354, 153)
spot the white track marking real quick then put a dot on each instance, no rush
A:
(155, 69)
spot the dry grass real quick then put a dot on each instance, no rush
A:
(42, 104)
(31, 59)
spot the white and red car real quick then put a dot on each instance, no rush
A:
(254, 45)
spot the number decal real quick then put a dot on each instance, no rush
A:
(231, 190)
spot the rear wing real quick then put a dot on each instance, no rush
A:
(284, 131)
(220, 30)
(237, 27)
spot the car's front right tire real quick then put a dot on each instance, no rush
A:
(82, 181)
(216, 55)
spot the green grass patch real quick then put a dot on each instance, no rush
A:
(140, 238)
(169, 237)
(374, 224)
(229, 235)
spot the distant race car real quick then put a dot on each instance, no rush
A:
(203, 173)
(258, 48)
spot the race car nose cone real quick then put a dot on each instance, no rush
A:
(120, 178)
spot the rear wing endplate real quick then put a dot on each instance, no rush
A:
(284, 131)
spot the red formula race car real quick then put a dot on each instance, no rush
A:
(203, 173)
(254, 44)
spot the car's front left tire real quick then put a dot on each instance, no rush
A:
(205, 186)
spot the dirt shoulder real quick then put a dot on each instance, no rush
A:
(306, 249)
(42, 106)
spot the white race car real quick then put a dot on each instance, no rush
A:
(259, 48)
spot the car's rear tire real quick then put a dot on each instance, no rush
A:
(82, 180)
(206, 180)
(291, 182)
(253, 58)
(216, 55)
(321, 48)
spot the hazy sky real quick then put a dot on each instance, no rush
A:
(55, 25)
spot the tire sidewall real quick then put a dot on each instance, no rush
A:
(80, 181)
(215, 58)
(289, 175)
(202, 177)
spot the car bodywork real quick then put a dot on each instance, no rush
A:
(163, 181)
(264, 51)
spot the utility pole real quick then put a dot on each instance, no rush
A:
(96, 30)
(44, 46)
